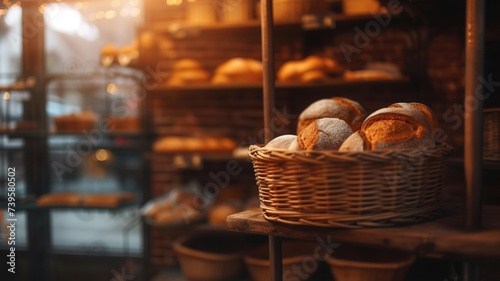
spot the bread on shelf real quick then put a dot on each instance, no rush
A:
(180, 144)
(238, 71)
(311, 69)
(59, 199)
(187, 72)
(84, 120)
(107, 199)
(76, 199)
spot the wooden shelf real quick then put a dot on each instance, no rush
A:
(331, 83)
(445, 235)
(255, 24)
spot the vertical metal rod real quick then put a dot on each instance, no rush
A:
(275, 258)
(474, 59)
(267, 37)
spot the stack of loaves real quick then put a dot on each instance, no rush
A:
(311, 69)
(339, 124)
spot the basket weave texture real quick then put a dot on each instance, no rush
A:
(349, 189)
(491, 135)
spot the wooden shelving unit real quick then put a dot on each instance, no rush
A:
(470, 232)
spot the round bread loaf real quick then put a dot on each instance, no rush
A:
(311, 69)
(324, 134)
(294, 145)
(336, 107)
(186, 64)
(355, 142)
(188, 77)
(238, 70)
(398, 128)
(187, 72)
(289, 71)
(427, 111)
(314, 76)
(281, 142)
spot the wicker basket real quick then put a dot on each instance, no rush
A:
(349, 189)
(491, 135)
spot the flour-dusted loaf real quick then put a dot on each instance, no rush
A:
(355, 142)
(427, 111)
(336, 107)
(324, 134)
(392, 128)
(281, 142)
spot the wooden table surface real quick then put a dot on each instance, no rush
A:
(445, 235)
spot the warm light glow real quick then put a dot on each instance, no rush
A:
(102, 155)
(3, 12)
(78, 5)
(112, 88)
(115, 3)
(43, 8)
(6, 95)
(174, 2)
(13, 16)
(110, 14)
(135, 12)
(99, 15)
(125, 12)
(88, 31)
(64, 19)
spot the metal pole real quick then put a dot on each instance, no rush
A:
(268, 65)
(474, 59)
(268, 97)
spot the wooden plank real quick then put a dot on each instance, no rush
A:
(445, 235)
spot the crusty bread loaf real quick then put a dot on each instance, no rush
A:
(336, 107)
(289, 71)
(324, 134)
(311, 69)
(427, 111)
(391, 128)
(188, 72)
(294, 145)
(186, 64)
(281, 142)
(238, 71)
(314, 76)
(355, 142)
